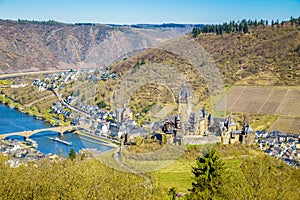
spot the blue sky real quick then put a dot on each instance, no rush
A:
(148, 11)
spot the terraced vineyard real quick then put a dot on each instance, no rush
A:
(286, 124)
(282, 101)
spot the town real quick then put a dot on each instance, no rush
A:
(194, 128)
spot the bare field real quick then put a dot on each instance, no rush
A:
(282, 101)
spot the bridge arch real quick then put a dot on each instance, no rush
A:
(27, 134)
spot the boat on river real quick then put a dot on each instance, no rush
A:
(61, 141)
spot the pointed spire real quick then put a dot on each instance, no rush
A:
(245, 120)
(203, 111)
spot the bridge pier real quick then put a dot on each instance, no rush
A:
(60, 133)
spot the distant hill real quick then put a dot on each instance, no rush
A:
(167, 25)
(32, 46)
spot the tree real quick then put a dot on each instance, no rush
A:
(208, 172)
(83, 98)
(245, 28)
(101, 104)
(72, 154)
(292, 21)
(172, 193)
(262, 177)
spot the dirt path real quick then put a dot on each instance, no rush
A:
(120, 161)
(38, 100)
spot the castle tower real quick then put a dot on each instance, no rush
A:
(185, 103)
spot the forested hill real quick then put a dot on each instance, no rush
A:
(32, 46)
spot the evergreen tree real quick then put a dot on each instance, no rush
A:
(101, 104)
(208, 180)
(245, 28)
(292, 21)
(72, 154)
(172, 193)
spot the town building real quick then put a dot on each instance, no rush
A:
(124, 114)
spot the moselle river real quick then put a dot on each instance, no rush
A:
(11, 120)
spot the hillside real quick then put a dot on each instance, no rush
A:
(34, 46)
(247, 174)
(265, 56)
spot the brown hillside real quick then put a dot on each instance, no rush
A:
(265, 56)
(33, 46)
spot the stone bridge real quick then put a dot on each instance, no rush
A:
(27, 134)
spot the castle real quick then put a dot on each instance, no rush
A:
(188, 122)
(230, 134)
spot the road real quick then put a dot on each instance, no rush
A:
(30, 73)
(58, 95)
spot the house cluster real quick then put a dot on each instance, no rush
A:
(58, 108)
(19, 150)
(92, 110)
(280, 145)
(56, 80)
(70, 100)
(122, 125)
(113, 125)
(101, 75)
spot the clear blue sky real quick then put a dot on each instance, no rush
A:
(148, 11)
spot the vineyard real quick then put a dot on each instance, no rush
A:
(282, 101)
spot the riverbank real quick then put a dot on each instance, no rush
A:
(11, 121)
(103, 140)
(50, 118)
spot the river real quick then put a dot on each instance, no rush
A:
(11, 120)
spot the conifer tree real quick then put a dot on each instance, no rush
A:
(208, 180)
(72, 155)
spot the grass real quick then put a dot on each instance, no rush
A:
(261, 122)
(286, 124)
(177, 174)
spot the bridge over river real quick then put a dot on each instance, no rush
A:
(26, 134)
